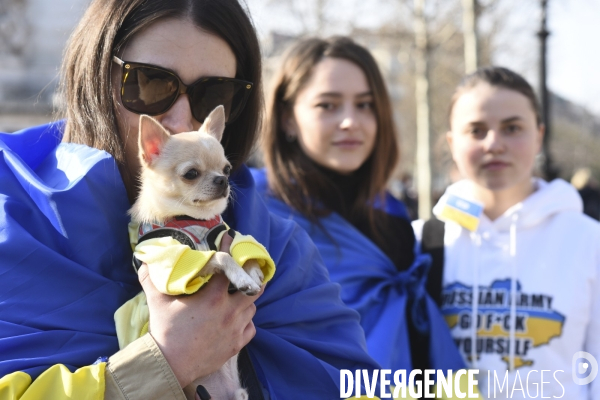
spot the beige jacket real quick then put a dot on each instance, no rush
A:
(141, 372)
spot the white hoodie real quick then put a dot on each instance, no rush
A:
(553, 272)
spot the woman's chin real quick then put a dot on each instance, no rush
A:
(344, 168)
(494, 184)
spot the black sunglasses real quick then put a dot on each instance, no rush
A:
(149, 89)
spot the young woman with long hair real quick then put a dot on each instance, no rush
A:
(330, 147)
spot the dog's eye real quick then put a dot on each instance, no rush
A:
(191, 174)
(227, 170)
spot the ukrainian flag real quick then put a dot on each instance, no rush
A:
(466, 213)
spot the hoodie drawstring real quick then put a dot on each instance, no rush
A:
(475, 300)
(513, 289)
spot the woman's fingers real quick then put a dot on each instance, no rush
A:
(226, 241)
(147, 285)
(250, 329)
(218, 283)
(143, 273)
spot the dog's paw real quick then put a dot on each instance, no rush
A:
(253, 270)
(245, 284)
(249, 290)
(256, 275)
(240, 394)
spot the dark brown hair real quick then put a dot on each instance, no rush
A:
(501, 77)
(293, 176)
(107, 25)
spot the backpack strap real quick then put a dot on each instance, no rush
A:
(432, 242)
(248, 376)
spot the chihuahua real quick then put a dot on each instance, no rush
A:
(185, 177)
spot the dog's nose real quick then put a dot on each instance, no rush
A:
(220, 181)
(222, 185)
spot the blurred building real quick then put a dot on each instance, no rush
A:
(32, 37)
(575, 141)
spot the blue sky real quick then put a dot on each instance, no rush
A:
(574, 62)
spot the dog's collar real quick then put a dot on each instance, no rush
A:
(187, 217)
(181, 221)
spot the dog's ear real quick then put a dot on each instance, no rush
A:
(214, 124)
(152, 139)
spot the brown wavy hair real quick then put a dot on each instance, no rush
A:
(85, 87)
(499, 77)
(293, 177)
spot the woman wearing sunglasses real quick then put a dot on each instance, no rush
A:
(65, 262)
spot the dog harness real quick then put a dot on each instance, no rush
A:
(198, 234)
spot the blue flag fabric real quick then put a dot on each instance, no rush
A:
(65, 267)
(373, 286)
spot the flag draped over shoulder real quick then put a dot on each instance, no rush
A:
(373, 286)
(65, 268)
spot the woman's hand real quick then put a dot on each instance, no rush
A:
(197, 334)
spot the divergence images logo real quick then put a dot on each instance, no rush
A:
(584, 367)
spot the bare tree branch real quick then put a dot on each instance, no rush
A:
(470, 35)
(423, 110)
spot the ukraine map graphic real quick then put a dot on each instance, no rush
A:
(536, 322)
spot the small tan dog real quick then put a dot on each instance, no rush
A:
(187, 175)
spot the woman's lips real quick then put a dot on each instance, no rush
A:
(495, 165)
(348, 144)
